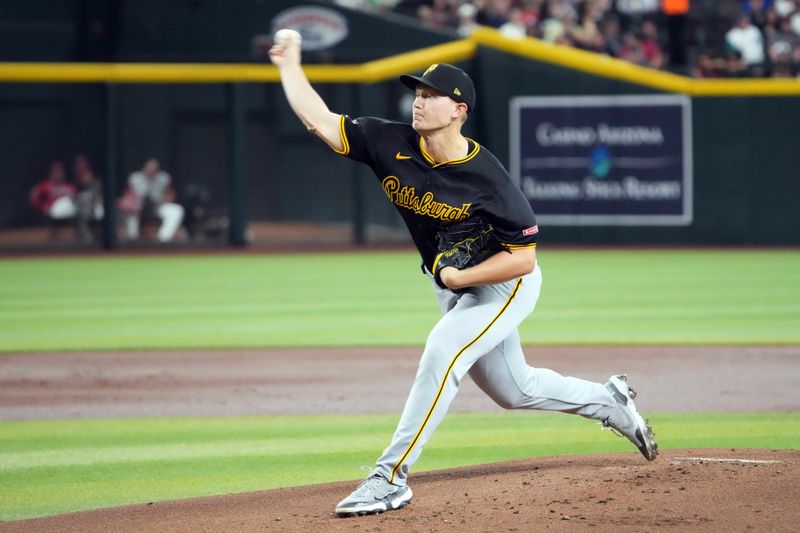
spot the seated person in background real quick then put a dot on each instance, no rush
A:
(150, 191)
(651, 48)
(54, 197)
(89, 198)
(747, 41)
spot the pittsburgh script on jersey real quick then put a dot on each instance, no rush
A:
(425, 205)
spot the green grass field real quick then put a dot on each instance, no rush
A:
(51, 467)
(589, 297)
(381, 299)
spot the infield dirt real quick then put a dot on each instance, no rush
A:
(318, 381)
(684, 490)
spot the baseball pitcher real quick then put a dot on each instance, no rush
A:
(476, 235)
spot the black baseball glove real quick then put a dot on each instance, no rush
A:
(464, 244)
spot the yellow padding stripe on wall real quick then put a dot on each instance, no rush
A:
(390, 67)
(609, 67)
(369, 72)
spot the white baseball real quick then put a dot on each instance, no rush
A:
(285, 36)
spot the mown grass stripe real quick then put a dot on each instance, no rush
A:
(588, 297)
(50, 467)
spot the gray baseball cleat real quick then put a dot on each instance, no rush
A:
(374, 495)
(626, 419)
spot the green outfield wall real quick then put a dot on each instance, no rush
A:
(746, 167)
(745, 133)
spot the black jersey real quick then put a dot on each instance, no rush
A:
(429, 195)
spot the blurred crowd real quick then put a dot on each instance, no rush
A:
(78, 204)
(761, 39)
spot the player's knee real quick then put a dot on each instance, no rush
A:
(433, 361)
(438, 358)
(511, 399)
(172, 212)
(507, 394)
(505, 403)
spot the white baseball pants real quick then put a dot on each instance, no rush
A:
(478, 334)
(171, 216)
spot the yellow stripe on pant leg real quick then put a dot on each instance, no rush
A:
(444, 379)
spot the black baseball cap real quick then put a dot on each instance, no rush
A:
(446, 79)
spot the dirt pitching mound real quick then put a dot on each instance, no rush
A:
(684, 490)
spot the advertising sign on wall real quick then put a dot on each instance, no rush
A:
(320, 27)
(604, 160)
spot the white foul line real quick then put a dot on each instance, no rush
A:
(723, 460)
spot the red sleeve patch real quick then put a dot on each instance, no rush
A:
(533, 230)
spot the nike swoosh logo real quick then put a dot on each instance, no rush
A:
(398, 155)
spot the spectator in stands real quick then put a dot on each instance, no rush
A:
(493, 13)
(438, 14)
(54, 197)
(757, 11)
(781, 44)
(736, 68)
(708, 66)
(746, 40)
(632, 12)
(612, 36)
(557, 22)
(785, 8)
(586, 32)
(89, 197)
(467, 22)
(653, 54)
(632, 49)
(610, 27)
(515, 28)
(150, 193)
(794, 16)
(531, 13)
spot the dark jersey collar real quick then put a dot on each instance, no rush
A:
(472, 153)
